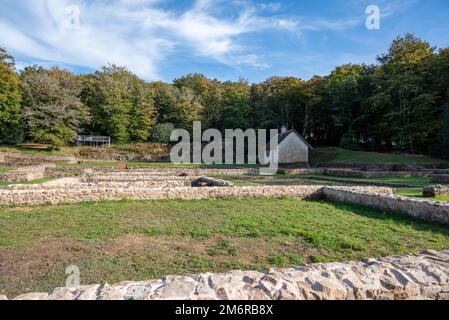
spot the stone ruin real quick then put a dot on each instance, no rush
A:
(407, 277)
(436, 190)
(210, 182)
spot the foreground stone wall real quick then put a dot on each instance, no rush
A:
(424, 276)
(421, 209)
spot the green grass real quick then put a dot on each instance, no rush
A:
(64, 151)
(37, 181)
(274, 180)
(320, 179)
(418, 193)
(335, 155)
(4, 169)
(138, 240)
(397, 180)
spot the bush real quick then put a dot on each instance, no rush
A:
(162, 132)
(348, 142)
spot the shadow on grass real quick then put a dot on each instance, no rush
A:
(400, 219)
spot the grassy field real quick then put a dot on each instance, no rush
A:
(417, 193)
(275, 180)
(317, 179)
(3, 183)
(335, 155)
(420, 181)
(137, 240)
(64, 151)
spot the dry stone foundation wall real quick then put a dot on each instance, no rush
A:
(377, 174)
(20, 159)
(160, 187)
(78, 170)
(53, 196)
(407, 277)
(134, 178)
(421, 209)
(380, 166)
(433, 191)
(23, 174)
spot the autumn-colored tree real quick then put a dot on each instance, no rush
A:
(53, 111)
(10, 101)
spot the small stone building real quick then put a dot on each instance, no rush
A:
(293, 148)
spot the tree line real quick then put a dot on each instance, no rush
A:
(401, 103)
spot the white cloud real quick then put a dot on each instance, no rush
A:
(135, 33)
(253, 61)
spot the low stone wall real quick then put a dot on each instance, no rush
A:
(78, 170)
(377, 174)
(53, 196)
(103, 185)
(379, 166)
(95, 178)
(20, 159)
(153, 190)
(433, 191)
(302, 171)
(407, 277)
(60, 172)
(24, 174)
(197, 171)
(416, 208)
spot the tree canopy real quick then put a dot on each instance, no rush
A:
(397, 104)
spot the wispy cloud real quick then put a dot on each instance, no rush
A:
(135, 33)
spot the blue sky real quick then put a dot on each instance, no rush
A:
(228, 40)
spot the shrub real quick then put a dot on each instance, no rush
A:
(348, 142)
(162, 132)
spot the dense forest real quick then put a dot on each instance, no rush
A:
(399, 104)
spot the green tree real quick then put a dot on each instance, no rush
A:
(208, 94)
(413, 115)
(318, 121)
(162, 132)
(53, 111)
(343, 88)
(235, 105)
(280, 101)
(179, 106)
(121, 104)
(10, 101)
(165, 102)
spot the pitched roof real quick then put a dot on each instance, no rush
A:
(284, 135)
